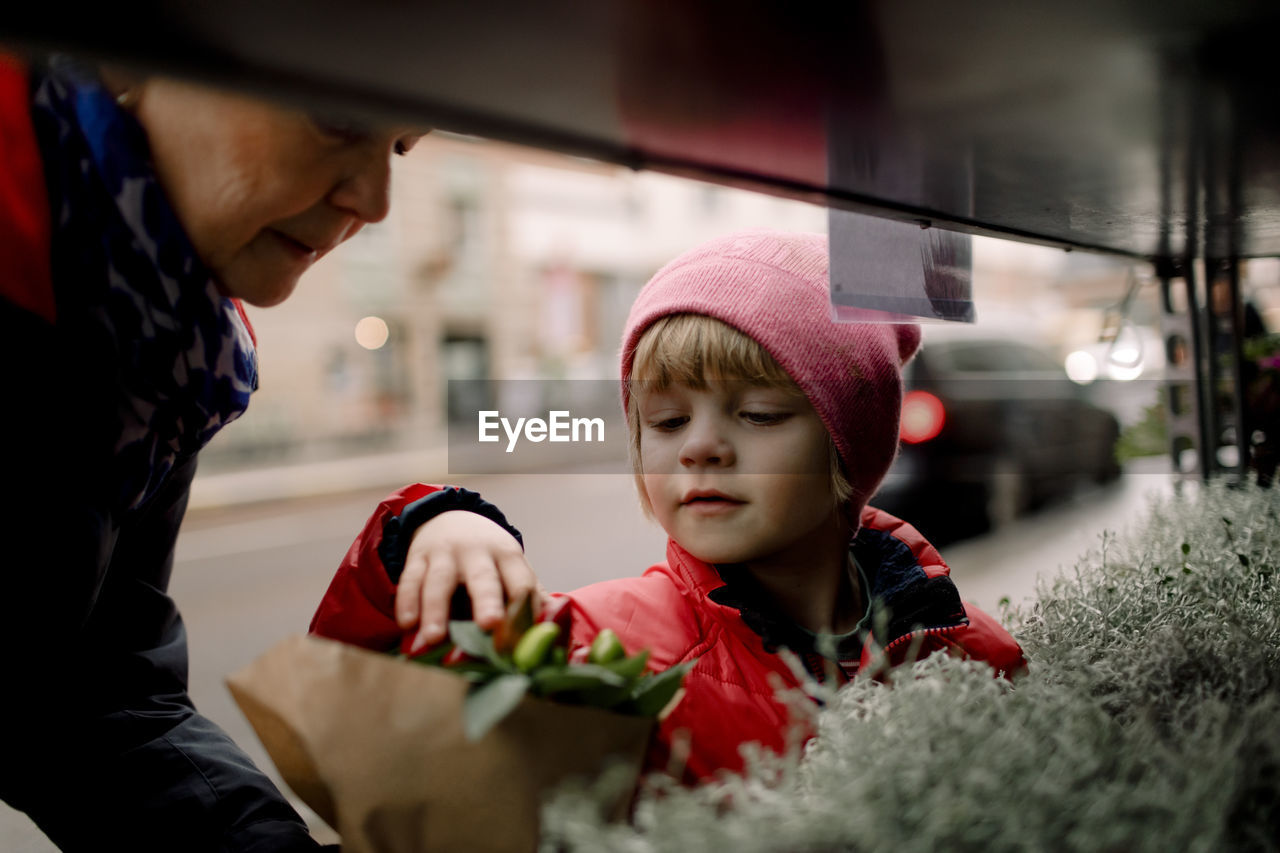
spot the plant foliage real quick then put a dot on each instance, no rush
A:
(527, 658)
(1150, 720)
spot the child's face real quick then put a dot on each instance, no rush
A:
(736, 473)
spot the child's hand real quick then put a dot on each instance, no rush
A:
(460, 548)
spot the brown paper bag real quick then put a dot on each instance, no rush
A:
(375, 745)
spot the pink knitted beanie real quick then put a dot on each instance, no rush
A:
(772, 286)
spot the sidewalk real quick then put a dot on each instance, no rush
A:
(318, 478)
(389, 470)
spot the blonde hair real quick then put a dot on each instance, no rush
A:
(693, 350)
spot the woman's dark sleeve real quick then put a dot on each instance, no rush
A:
(101, 745)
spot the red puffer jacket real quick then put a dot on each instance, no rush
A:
(683, 609)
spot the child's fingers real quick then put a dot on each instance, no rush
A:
(408, 590)
(436, 592)
(484, 587)
(518, 578)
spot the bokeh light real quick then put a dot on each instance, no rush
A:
(1082, 367)
(372, 332)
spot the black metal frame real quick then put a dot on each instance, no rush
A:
(1205, 393)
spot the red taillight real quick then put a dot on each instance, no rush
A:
(922, 417)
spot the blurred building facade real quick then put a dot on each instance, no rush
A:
(501, 262)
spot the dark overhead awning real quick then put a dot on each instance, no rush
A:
(1147, 129)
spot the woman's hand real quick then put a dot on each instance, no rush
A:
(460, 548)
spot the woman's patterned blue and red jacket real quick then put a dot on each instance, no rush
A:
(121, 361)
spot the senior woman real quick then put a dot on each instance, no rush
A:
(135, 215)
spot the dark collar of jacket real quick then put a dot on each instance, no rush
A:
(910, 588)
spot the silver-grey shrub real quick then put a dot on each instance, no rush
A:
(1150, 720)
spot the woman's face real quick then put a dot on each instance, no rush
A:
(263, 191)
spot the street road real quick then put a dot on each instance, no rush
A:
(249, 576)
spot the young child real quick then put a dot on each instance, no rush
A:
(759, 429)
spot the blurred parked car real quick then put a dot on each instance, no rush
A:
(992, 427)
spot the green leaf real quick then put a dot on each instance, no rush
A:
(477, 676)
(476, 670)
(488, 705)
(433, 655)
(1186, 548)
(652, 694)
(609, 695)
(472, 639)
(552, 679)
(630, 668)
(598, 697)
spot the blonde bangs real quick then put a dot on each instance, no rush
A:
(692, 350)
